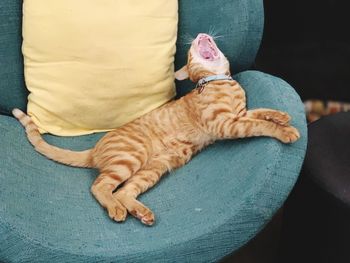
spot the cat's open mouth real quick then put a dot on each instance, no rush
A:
(207, 48)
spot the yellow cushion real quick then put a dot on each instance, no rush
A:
(94, 65)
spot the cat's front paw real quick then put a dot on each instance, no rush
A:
(289, 134)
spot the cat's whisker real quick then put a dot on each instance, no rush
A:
(218, 37)
(211, 30)
(187, 39)
(214, 33)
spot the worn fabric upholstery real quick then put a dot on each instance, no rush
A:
(204, 210)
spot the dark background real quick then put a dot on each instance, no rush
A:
(307, 43)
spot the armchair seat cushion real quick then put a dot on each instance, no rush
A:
(204, 210)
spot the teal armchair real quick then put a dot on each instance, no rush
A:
(205, 210)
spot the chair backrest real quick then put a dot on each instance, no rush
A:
(238, 23)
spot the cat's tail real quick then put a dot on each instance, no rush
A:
(68, 157)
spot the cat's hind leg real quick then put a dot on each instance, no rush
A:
(279, 117)
(102, 189)
(115, 171)
(138, 184)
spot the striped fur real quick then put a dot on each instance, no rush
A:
(139, 153)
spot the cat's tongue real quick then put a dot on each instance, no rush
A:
(206, 49)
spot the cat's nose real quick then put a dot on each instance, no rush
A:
(203, 36)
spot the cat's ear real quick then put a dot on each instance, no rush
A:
(182, 73)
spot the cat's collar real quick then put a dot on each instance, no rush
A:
(204, 81)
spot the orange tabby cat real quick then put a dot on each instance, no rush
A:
(140, 152)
